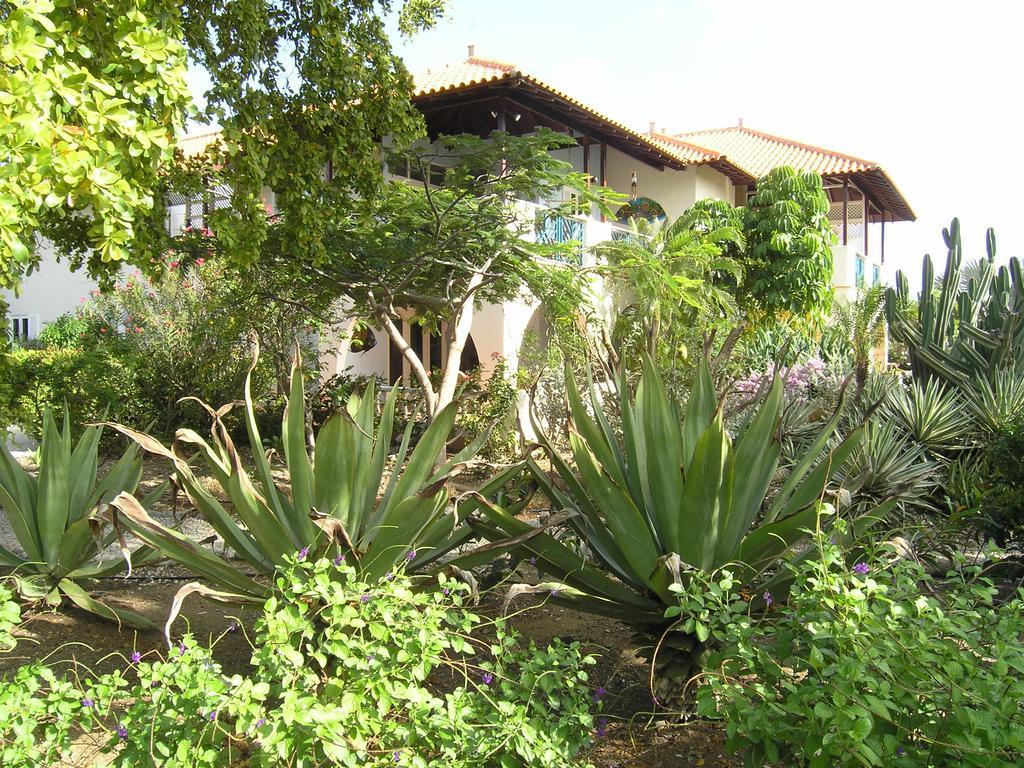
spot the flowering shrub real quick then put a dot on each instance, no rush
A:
(799, 379)
(865, 665)
(344, 673)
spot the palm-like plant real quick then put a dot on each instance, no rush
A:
(674, 493)
(863, 322)
(52, 517)
(339, 504)
(670, 272)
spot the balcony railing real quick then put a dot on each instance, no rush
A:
(558, 229)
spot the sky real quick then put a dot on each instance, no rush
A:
(929, 90)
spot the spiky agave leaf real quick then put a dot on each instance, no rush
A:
(672, 494)
(52, 517)
(339, 503)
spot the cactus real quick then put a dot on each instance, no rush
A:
(964, 329)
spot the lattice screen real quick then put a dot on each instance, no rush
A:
(855, 222)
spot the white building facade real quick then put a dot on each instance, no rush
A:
(669, 173)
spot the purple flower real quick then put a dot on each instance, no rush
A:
(396, 757)
(181, 649)
(339, 560)
(533, 561)
(602, 727)
(446, 591)
(302, 553)
(554, 592)
(861, 569)
(900, 752)
(212, 717)
(767, 597)
(88, 703)
(122, 731)
(487, 678)
(411, 555)
(233, 626)
(599, 693)
(261, 722)
(136, 657)
(364, 598)
(390, 576)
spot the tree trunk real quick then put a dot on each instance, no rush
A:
(457, 336)
(415, 363)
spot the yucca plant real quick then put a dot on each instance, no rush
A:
(52, 515)
(998, 400)
(934, 414)
(338, 503)
(677, 492)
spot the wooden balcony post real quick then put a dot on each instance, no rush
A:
(846, 210)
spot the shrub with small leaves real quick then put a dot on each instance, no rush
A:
(10, 617)
(866, 664)
(345, 673)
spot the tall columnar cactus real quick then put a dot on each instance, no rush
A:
(969, 324)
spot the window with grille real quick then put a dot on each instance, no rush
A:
(860, 272)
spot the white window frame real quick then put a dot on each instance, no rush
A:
(23, 327)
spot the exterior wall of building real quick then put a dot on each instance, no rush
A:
(49, 292)
(674, 190)
(845, 259)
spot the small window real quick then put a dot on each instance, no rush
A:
(860, 271)
(22, 328)
(404, 168)
(876, 275)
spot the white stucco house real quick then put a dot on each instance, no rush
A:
(663, 172)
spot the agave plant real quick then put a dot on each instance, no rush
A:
(677, 492)
(339, 503)
(52, 517)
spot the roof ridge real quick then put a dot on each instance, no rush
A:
(676, 140)
(482, 61)
(783, 140)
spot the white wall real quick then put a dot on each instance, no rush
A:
(674, 190)
(49, 292)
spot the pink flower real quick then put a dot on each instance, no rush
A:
(200, 262)
(174, 265)
(207, 232)
(138, 330)
(103, 330)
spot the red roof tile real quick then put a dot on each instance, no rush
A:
(758, 153)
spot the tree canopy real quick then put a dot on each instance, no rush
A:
(439, 247)
(789, 239)
(95, 95)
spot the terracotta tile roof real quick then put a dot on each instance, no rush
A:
(758, 153)
(476, 71)
(198, 143)
(472, 71)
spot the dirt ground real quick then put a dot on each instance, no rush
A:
(74, 639)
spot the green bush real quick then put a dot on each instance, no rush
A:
(1002, 489)
(345, 673)
(94, 383)
(869, 665)
(66, 332)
